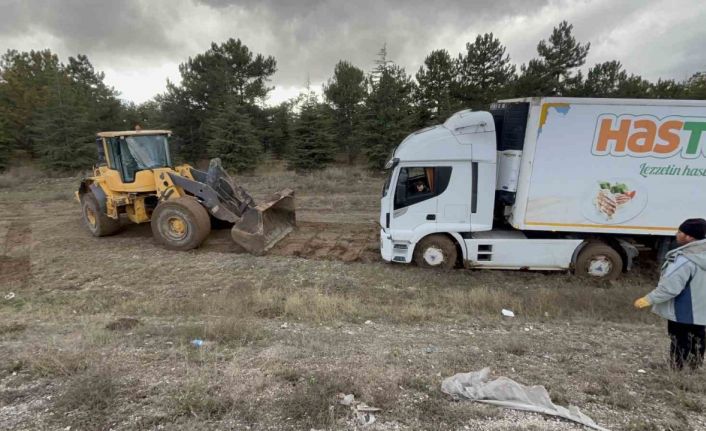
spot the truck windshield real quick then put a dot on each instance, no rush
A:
(148, 152)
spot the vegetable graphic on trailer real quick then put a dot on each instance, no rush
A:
(614, 201)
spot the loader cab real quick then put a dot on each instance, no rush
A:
(130, 152)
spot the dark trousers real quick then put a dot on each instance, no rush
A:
(688, 344)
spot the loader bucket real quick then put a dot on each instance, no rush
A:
(263, 225)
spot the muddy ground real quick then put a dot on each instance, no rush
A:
(96, 333)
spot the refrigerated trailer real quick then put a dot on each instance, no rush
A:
(549, 183)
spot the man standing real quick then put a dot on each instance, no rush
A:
(680, 295)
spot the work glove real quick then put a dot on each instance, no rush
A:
(642, 302)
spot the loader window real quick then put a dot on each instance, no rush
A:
(128, 163)
(417, 184)
(113, 153)
(148, 151)
(101, 151)
(139, 153)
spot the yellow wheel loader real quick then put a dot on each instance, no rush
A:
(135, 177)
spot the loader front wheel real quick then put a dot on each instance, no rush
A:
(180, 224)
(97, 222)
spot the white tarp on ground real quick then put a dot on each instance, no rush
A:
(504, 392)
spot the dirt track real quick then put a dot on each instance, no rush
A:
(310, 240)
(335, 241)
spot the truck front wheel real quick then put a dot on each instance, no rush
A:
(435, 251)
(599, 260)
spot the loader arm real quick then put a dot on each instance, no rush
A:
(219, 205)
(256, 227)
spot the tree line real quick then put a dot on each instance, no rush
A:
(50, 111)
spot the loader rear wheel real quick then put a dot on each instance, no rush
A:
(435, 251)
(600, 261)
(180, 224)
(97, 222)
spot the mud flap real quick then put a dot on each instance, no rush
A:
(264, 225)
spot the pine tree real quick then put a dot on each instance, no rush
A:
(696, 86)
(26, 79)
(561, 54)
(232, 138)
(63, 131)
(603, 79)
(6, 145)
(345, 93)
(634, 87)
(226, 73)
(312, 144)
(105, 108)
(669, 89)
(280, 136)
(186, 122)
(147, 115)
(533, 80)
(52, 111)
(388, 113)
(434, 85)
(553, 73)
(485, 73)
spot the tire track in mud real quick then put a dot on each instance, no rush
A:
(344, 242)
(15, 262)
(330, 241)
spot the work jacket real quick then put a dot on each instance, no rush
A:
(680, 295)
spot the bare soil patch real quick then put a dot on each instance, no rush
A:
(331, 241)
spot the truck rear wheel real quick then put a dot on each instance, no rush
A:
(180, 224)
(97, 222)
(435, 251)
(599, 260)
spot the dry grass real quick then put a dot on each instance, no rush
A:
(17, 175)
(11, 328)
(334, 179)
(285, 372)
(89, 396)
(408, 300)
(207, 397)
(121, 324)
(56, 362)
(437, 412)
(230, 331)
(516, 344)
(313, 403)
(199, 398)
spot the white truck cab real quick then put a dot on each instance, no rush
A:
(544, 184)
(438, 202)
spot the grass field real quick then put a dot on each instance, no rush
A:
(95, 333)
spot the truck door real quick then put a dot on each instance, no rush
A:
(416, 197)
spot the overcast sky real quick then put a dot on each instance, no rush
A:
(140, 43)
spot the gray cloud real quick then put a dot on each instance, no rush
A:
(106, 28)
(311, 36)
(308, 37)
